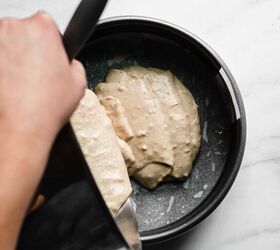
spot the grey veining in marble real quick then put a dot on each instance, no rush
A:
(246, 34)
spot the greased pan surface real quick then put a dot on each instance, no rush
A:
(173, 208)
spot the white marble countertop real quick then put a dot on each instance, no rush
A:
(246, 34)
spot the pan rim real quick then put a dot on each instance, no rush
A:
(149, 239)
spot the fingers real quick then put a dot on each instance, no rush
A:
(7, 22)
(44, 25)
(47, 31)
(38, 203)
(79, 75)
(47, 24)
(7, 25)
(43, 19)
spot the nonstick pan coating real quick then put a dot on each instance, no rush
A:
(125, 41)
(172, 208)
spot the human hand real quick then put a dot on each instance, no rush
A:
(39, 88)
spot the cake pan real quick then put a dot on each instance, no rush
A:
(174, 208)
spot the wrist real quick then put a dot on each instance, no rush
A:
(23, 157)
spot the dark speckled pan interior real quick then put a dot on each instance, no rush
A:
(170, 202)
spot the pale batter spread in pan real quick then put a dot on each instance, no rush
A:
(156, 116)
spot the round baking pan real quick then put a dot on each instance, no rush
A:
(174, 208)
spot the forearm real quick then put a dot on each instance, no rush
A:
(22, 160)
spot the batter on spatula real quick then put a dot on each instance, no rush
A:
(100, 146)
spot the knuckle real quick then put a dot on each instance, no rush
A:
(44, 19)
(45, 26)
(82, 85)
(80, 73)
(6, 23)
(83, 82)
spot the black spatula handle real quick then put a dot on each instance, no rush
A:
(82, 25)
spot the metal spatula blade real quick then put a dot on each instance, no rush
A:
(127, 224)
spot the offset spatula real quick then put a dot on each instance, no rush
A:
(76, 35)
